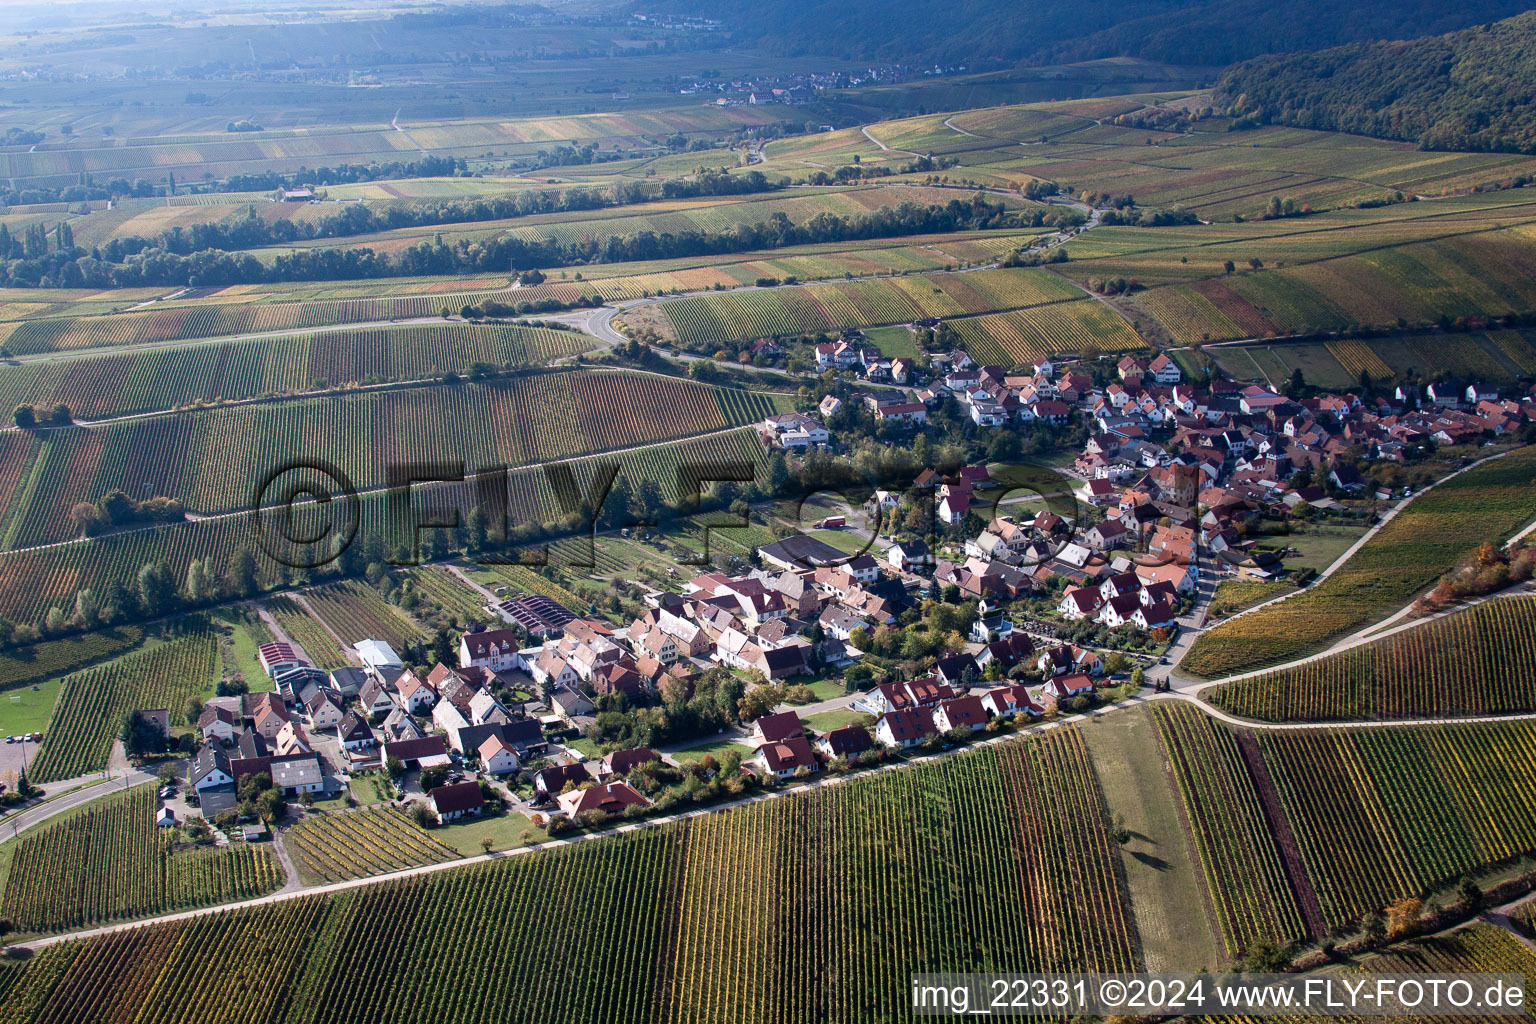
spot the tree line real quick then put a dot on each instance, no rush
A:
(73, 267)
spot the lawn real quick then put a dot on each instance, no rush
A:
(829, 720)
(845, 541)
(895, 342)
(506, 831)
(715, 747)
(1319, 551)
(27, 709)
(369, 789)
(247, 633)
(824, 688)
(1160, 868)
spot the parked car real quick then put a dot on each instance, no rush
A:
(10, 739)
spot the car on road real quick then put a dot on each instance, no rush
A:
(10, 739)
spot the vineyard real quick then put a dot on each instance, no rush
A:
(704, 320)
(1477, 662)
(352, 844)
(110, 860)
(1242, 866)
(1027, 336)
(321, 647)
(531, 582)
(47, 576)
(24, 665)
(435, 585)
(212, 459)
(168, 378)
(355, 612)
(1380, 814)
(812, 907)
(92, 703)
(1487, 502)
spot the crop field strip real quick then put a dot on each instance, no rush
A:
(109, 860)
(89, 711)
(1241, 864)
(307, 633)
(353, 844)
(355, 613)
(51, 575)
(435, 584)
(1479, 661)
(708, 319)
(25, 665)
(1380, 814)
(1488, 502)
(881, 877)
(211, 459)
(1023, 337)
(170, 377)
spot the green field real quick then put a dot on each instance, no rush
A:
(1488, 502)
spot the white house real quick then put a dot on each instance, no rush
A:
(497, 756)
(378, 657)
(494, 650)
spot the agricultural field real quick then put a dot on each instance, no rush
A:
(1380, 814)
(709, 320)
(21, 666)
(435, 586)
(1497, 357)
(172, 377)
(1487, 502)
(1243, 868)
(1233, 596)
(355, 613)
(353, 844)
(91, 703)
(109, 860)
(212, 459)
(1480, 661)
(1023, 337)
(51, 575)
(703, 904)
(302, 628)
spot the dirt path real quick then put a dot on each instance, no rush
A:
(293, 883)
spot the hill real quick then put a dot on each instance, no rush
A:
(1465, 90)
(1171, 31)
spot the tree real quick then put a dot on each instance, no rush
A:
(394, 767)
(197, 582)
(1471, 893)
(423, 814)
(433, 777)
(1228, 266)
(25, 418)
(157, 591)
(487, 844)
(242, 580)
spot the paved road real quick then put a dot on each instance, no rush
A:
(37, 814)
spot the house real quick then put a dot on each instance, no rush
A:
(1157, 615)
(551, 782)
(909, 555)
(299, 774)
(782, 726)
(210, 768)
(783, 758)
(398, 725)
(543, 618)
(497, 756)
(1008, 652)
(354, 734)
(457, 800)
(375, 698)
(1118, 611)
(613, 798)
(291, 682)
(275, 657)
(956, 670)
(1107, 535)
(378, 657)
(216, 723)
(1164, 370)
(421, 752)
(622, 762)
(348, 681)
(292, 740)
(953, 508)
(960, 713)
(324, 710)
(1007, 701)
(159, 718)
(1062, 687)
(1079, 603)
(485, 708)
(904, 728)
(416, 694)
(847, 742)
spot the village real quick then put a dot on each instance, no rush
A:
(957, 606)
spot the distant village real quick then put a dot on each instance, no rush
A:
(1049, 604)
